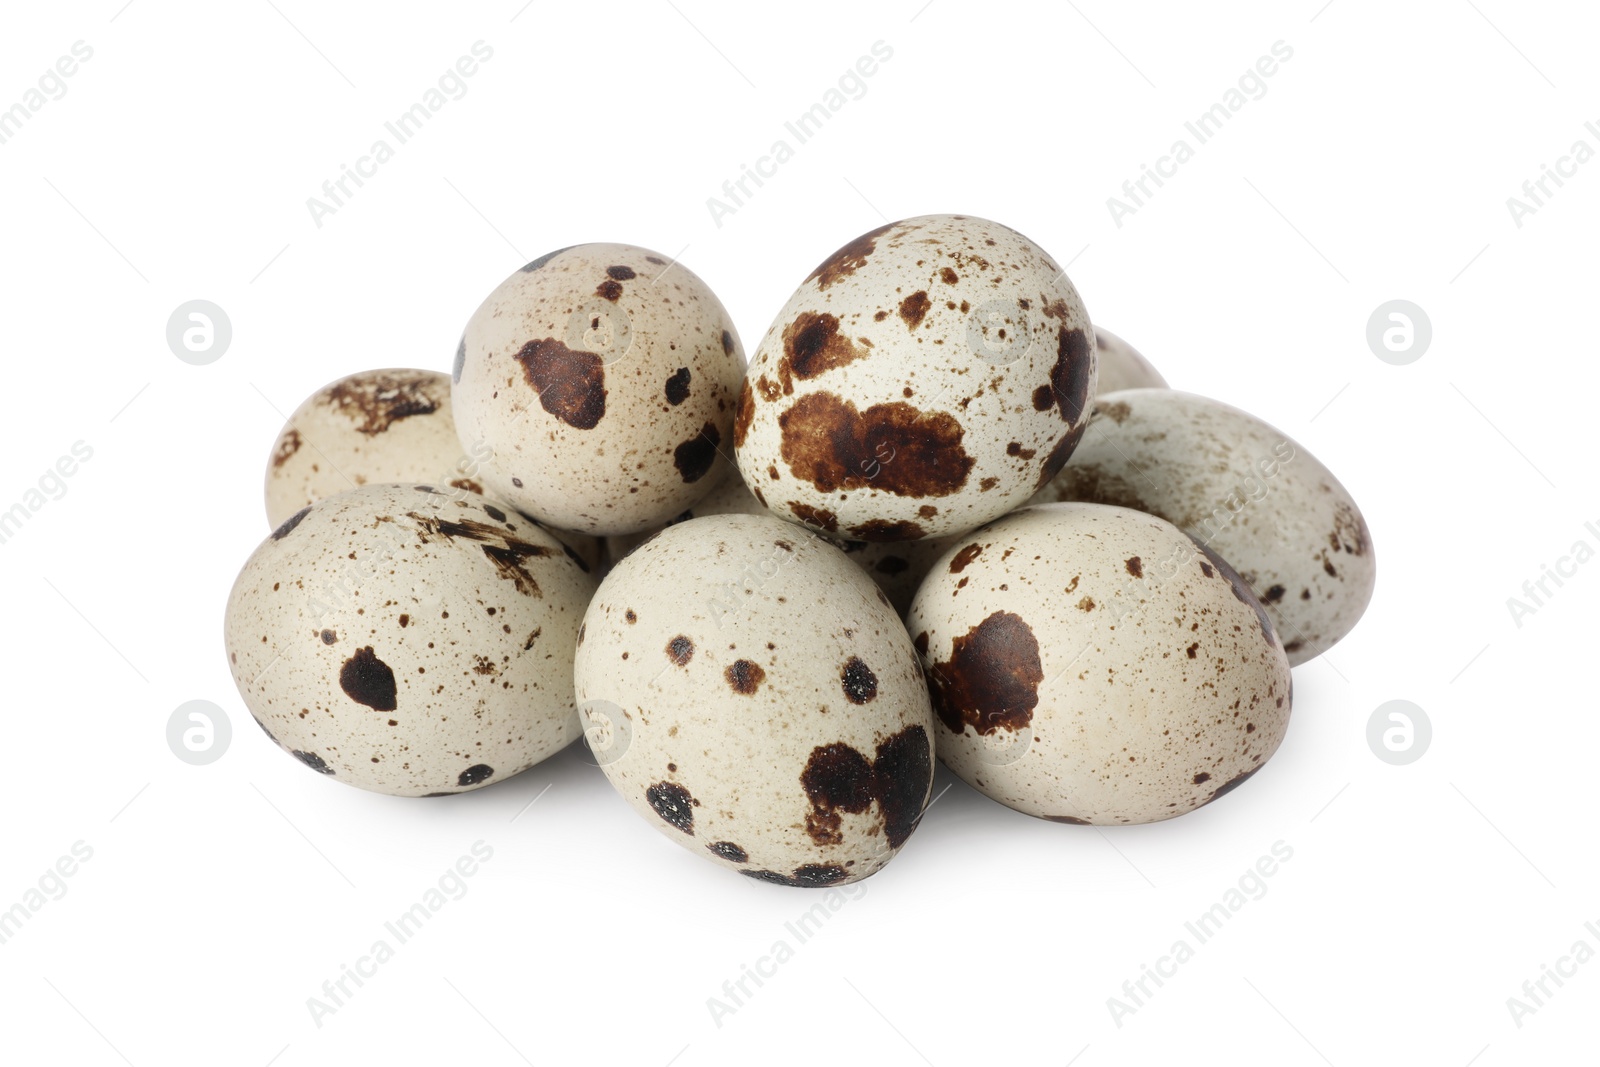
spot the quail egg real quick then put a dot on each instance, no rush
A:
(752, 695)
(927, 377)
(1121, 365)
(1091, 664)
(897, 566)
(602, 378)
(376, 426)
(1247, 490)
(380, 426)
(409, 641)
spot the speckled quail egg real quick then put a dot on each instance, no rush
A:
(379, 426)
(376, 426)
(897, 566)
(409, 641)
(727, 497)
(1091, 664)
(1121, 365)
(1263, 502)
(603, 380)
(927, 377)
(752, 695)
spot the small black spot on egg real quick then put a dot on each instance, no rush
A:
(1231, 784)
(368, 680)
(860, 684)
(312, 760)
(478, 772)
(673, 803)
(290, 523)
(744, 677)
(677, 389)
(729, 851)
(542, 260)
(809, 876)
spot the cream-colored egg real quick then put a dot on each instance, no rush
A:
(729, 497)
(380, 426)
(897, 566)
(1121, 365)
(409, 641)
(376, 426)
(1091, 664)
(1246, 489)
(601, 382)
(753, 696)
(929, 376)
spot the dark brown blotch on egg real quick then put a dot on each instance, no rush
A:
(893, 448)
(991, 681)
(744, 677)
(571, 384)
(368, 680)
(848, 259)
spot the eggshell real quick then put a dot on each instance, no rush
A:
(373, 427)
(728, 497)
(897, 566)
(927, 377)
(1091, 664)
(1121, 365)
(409, 642)
(752, 695)
(1255, 496)
(376, 426)
(601, 380)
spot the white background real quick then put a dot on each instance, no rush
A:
(1377, 166)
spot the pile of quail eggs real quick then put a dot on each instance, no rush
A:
(939, 514)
